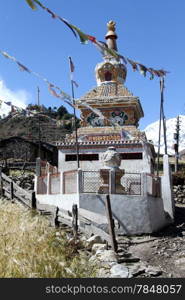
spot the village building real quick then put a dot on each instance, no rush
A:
(114, 158)
(17, 148)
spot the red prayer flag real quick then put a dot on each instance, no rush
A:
(71, 65)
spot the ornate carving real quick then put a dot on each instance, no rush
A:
(95, 120)
(118, 117)
(111, 161)
(104, 70)
(111, 158)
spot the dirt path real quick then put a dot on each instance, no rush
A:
(165, 250)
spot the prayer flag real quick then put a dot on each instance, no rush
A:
(8, 103)
(71, 65)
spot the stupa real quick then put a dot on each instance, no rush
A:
(110, 116)
(115, 158)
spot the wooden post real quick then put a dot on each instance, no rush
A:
(61, 183)
(144, 184)
(79, 181)
(38, 166)
(112, 181)
(33, 201)
(11, 190)
(75, 220)
(111, 224)
(1, 183)
(48, 183)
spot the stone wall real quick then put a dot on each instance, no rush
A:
(179, 193)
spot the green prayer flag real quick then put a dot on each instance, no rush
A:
(31, 4)
(83, 37)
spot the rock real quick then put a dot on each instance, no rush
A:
(111, 264)
(99, 252)
(123, 253)
(106, 256)
(93, 258)
(153, 271)
(103, 273)
(180, 262)
(136, 269)
(128, 259)
(97, 247)
(119, 271)
(95, 239)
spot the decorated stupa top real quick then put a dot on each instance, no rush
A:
(111, 70)
(111, 35)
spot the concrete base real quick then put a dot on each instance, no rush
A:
(133, 214)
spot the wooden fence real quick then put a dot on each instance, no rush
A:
(85, 220)
(19, 165)
(11, 190)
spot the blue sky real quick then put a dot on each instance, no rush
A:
(151, 32)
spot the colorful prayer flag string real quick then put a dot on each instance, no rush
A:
(52, 88)
(102, 47)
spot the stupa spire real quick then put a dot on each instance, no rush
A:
(111, 35)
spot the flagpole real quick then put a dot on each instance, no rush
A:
(38, 103)
(162, 119)
(74, 112)
(159, 139)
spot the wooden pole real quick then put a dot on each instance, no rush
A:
(11, 190)
(163, 116)
(75, 118)
(1, 183)
(162, 119)
(33, 201)
(38, 166)
(75, 220)
(159, 140)
(111, 224)
(176, 146)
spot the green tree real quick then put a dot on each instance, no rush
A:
(62, 111)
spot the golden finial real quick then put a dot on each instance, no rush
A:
(111, 25)
(111, 35)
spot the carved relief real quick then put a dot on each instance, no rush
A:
(111, 158)
(94, 120)
(107, 73)
(118, 117)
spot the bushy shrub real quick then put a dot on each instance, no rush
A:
(178, 178)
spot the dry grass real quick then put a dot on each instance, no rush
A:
(29, 248)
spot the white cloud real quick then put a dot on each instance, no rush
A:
(18, 98)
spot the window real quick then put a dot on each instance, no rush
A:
(87, 157)
(138, 155)
(108, 76)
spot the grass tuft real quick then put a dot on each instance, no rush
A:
(29, 248)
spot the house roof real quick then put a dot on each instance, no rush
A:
(44, 145)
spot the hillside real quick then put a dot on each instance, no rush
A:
(52, 126)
